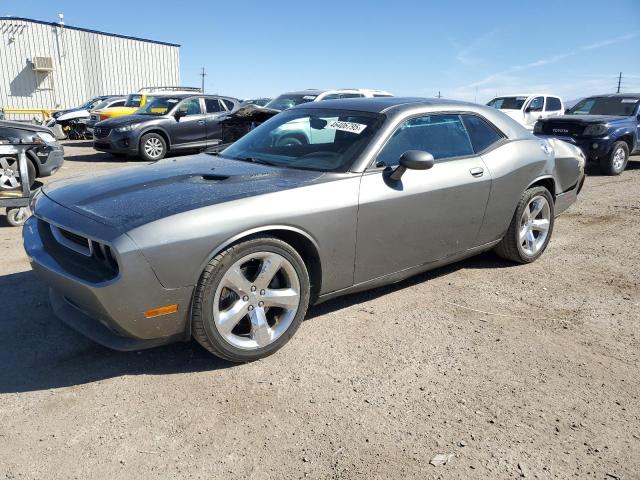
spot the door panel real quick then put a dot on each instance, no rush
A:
(190, 130)
(426, 216)
(215, 110)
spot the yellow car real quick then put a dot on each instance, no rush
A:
(138, 100)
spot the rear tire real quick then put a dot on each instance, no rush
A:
(616, 161)
(152, 147)
(530, 229)
(250, 299)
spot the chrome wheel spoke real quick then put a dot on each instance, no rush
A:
(4, 163)
(530, 240)
(537, 208)
(541, 225)
(236, 281)
(231, 317)
(523, 233)
(271, 265)
(261, 332)
(282, 297)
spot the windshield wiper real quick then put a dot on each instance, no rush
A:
(257, 160)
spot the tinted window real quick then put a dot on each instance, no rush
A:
(553, 104)
(133, 101)
(443, 136)
(619, 106)
(190, 106)
(507, 103)
(536, 104)
(482, 134)
(228, 104)
(119, 103)
(213, 105)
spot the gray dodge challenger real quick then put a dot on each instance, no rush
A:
(231, 247)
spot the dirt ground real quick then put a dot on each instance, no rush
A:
(374, 385)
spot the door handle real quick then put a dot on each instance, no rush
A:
(477, 171)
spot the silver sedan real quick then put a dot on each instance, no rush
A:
(231, 248)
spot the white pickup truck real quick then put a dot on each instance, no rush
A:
(528, 108)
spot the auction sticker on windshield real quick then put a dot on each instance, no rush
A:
(346, 126)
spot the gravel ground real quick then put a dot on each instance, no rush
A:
(506, 370)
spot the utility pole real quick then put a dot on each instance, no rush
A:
(439, 96)
(619, 82)
(202, 74)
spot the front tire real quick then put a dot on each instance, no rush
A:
(153, 147)
(250, 300)
(616, 162)
(530, 229)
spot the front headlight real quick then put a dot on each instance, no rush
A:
(537, 128)
(595, 130)
(126, 128)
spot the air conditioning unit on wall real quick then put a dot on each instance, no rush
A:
(42, 64)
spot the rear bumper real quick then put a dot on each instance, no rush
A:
(109, 311)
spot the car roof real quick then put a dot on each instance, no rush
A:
(528, 95)
(384, 104)
(320, 91)
(616, 95)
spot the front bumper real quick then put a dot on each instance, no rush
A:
(50, 161)
(117, 142)
(109, 311)
(594, 148)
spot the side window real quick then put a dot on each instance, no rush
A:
(536, 104)
(331, 96)
(481, 133)
(443, 136)
(553, 104)
(191, 106)
(119, 103)
(351, 95)
(213, 105)
(229, 105)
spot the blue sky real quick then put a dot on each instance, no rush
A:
(464, 49)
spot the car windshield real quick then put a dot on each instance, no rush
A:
(507, 103)
(158, 106)
(311, 139)
(102, 104)
(91, 104)
(283, 102)
(134, 100)
(618, 106)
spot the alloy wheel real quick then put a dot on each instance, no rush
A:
(9, 176)
(256, 300)
(618, 159)
(153, 147)
(534, 225)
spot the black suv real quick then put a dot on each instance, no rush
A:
(605, 127)
(167, 123)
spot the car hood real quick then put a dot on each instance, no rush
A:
(135, 196)
(586, 119)
(126, 120)
(121, 110)
(25, 126)
(73, 114)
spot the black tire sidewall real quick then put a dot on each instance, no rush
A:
(528, 195)
(144, 139)
(206, 307)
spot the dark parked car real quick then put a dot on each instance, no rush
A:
(46, 156)
(168, 123)
(605, 127)
(232, 248)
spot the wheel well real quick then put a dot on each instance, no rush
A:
(33, 159)
(158, 132)
(628, 139)
(304, 247)
(547, 183)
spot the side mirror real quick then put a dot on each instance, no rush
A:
(527, 110)
(566, 111)
(412, 160)
(179, 114)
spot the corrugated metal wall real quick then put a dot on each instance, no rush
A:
(86, 64)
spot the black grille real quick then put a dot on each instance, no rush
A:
(101, 132)
(74, 237)
(562, 129)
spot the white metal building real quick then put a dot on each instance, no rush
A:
(47, 65)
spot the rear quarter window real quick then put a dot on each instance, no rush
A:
(483, 134)
(553, 104)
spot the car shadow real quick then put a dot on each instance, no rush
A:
(39, 352)
(74, 154)
(487, 260)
